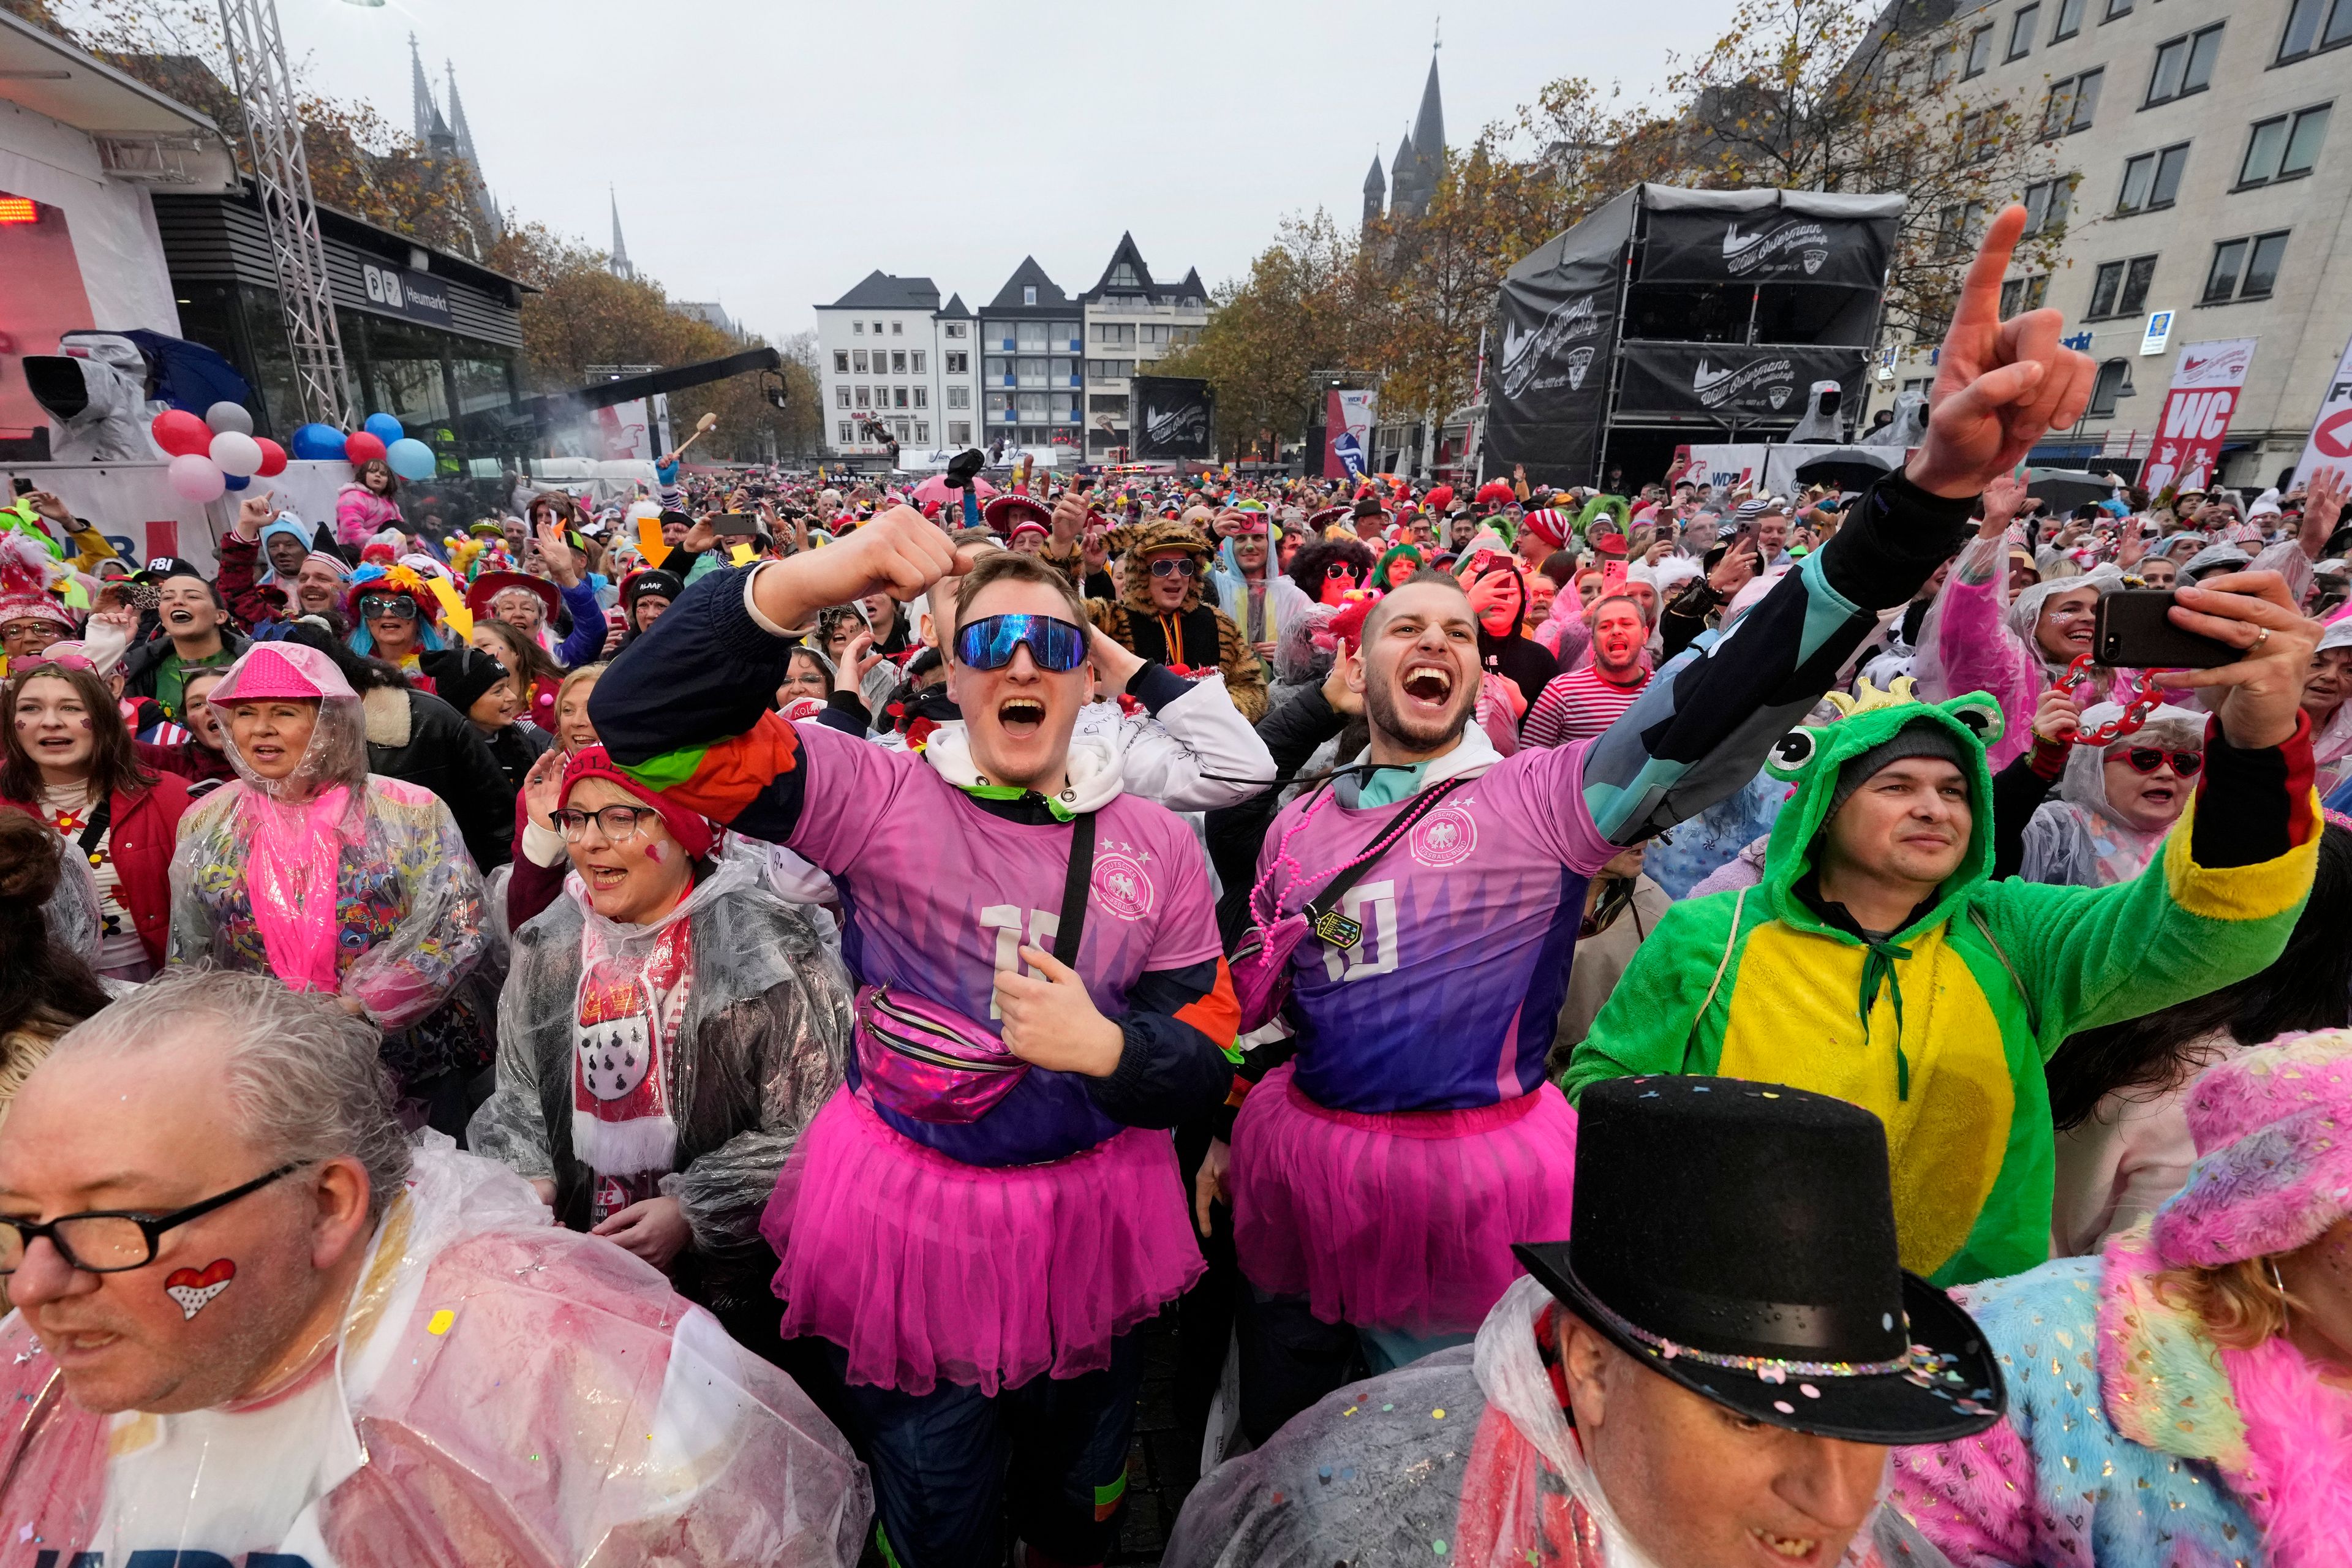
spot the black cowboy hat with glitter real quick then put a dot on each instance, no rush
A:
(1738, 1238)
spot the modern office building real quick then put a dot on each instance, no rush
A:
(2202, 186)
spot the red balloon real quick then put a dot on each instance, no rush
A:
(273, 457)
(181, 434)
(358, 448)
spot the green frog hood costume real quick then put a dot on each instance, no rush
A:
(1941, 1028)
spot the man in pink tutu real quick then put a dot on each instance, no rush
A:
(1379, 1178)
(977, 1220)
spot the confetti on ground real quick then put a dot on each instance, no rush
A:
(440, 1322)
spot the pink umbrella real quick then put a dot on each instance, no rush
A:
(935, 488)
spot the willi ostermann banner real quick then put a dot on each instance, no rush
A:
(1175, 416)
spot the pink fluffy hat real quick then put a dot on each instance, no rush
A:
(2274, 1130)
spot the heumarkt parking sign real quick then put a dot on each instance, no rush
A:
(2330, 445)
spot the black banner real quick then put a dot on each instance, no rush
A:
(1174, 416)
(1768, 245)
(1548, 372)
(1729, 384)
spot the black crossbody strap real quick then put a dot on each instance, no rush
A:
(1418, 807)
(101, 814)
(1074, 890)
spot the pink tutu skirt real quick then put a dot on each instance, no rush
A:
(1402, 1221)
(929, 1271)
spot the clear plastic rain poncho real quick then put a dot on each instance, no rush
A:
(504, 1393)
(336, 879)
(2078, 839)
(1461, 1459)
(1974, 639)
(748, 1021)
(74, 919)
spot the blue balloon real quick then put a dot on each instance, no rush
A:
(410, 458)
(318, 443)
(384, 428)
(235, 481)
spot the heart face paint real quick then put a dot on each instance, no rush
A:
(193, 1288)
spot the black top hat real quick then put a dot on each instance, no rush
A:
(1739, 1238)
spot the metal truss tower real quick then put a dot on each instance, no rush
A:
(273, 122)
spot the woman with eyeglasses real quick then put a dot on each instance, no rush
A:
(666, 1032)
(333, 878)
(2115, 804)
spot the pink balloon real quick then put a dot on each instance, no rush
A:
(362, 448)
(273, 457)
(181, 434)
(193, 477)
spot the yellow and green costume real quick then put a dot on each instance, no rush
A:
(1941, 1029)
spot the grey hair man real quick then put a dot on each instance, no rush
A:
(230, 1262)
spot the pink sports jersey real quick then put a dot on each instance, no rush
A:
(1450, 998)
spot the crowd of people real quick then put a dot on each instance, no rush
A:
(1692, 1026)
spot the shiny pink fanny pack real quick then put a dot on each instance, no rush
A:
(929, 1062)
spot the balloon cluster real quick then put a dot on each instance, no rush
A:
(220, 452)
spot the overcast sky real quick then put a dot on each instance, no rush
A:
(769, 154)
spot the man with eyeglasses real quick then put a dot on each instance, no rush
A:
(1161, 616)
(975, 1224)
(256, 1325)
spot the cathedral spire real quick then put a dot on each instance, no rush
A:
(620, 256)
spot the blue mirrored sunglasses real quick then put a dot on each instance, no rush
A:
(988, 642)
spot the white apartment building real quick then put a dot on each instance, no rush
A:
(890, 355)
(1131, 322)
(2201, 169)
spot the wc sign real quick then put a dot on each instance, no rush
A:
(412, 296)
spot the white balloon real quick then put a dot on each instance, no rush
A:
(226, 415)
(193, 477)
(235, 452)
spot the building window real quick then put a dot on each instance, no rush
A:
(920, 356)
(841, 361)
(1152, 332)
(2120, 288)
(955, 329)
(2116, 10)
(1123, 277)
(1034, 339)
(898, 362)
(2244, 268)
(2284, 148)
(2048, 203)
(923, 431)
(1058, 373)
(903, 429)
(1102, 403)
(1111, 369)
(1000, 405)
(2070, 20)
(959, 432)
(898, 329)
(1957, 226)
(2073, 101)
(877, 329)
(1118, 334)
(841, 396)
(864, 400)
(2185, 65)
(2020, 295)
(959, 364)
(922, 397)
(2152, 180)
(1031, 405)
(1032, 371)
(858, 328)
(1028, 293)
(2020, 31)
(1071, 335)
(959, 397)
(2115, 375)
(897, 398)
(1979, 52)
(1979, 133)
(846, 432)
(858, 359)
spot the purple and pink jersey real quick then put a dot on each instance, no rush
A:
(939, 894)
(1450, 999)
